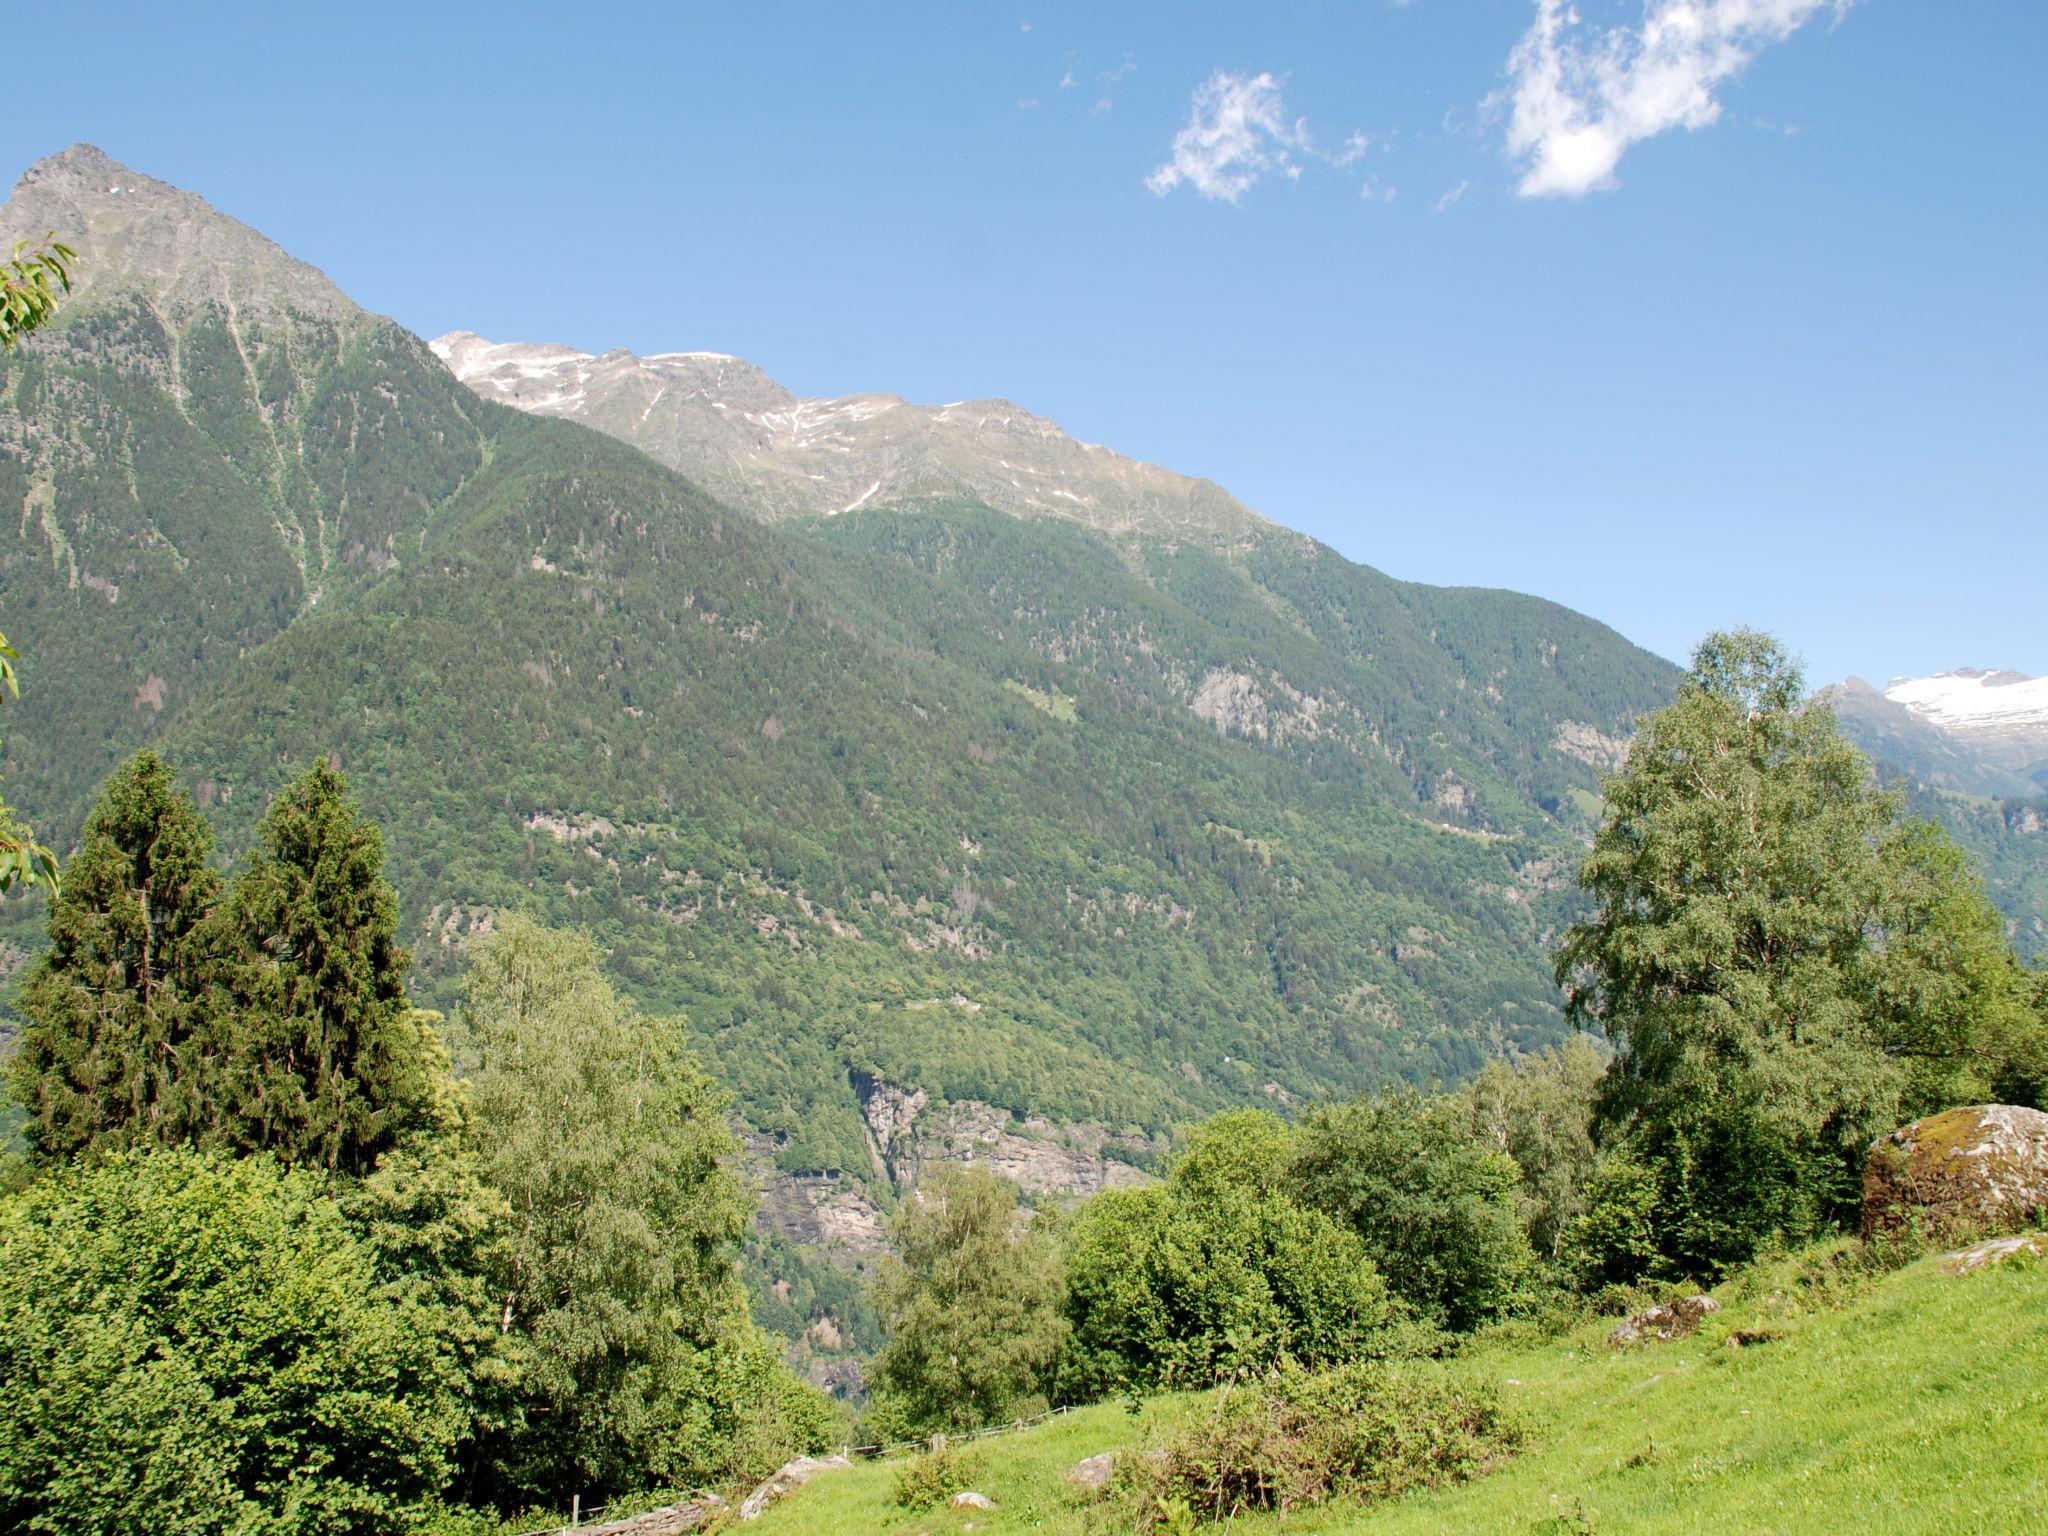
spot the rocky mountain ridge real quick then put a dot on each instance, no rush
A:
(733, 430)
(1968, 730)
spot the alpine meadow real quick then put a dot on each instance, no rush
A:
(593, 942)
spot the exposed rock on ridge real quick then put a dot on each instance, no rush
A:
(133, 232)
(728, 426)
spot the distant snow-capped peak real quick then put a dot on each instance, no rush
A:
(1969, 702)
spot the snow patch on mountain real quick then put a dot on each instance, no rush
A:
(746, 439)
(1969, 702)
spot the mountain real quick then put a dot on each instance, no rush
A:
(1973, 731)
(1970, 749)
(746, 439)
(952, 831)
(2000, 716)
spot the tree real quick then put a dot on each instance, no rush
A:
(111, 1055)
(1785, 968)
(1539, 1111)
(193, 1344)
(313, 1055)
(1435, 1207)
(29, 286)
(639, 1363)
(971, 1300)
(1217, 1271)
(23, 860)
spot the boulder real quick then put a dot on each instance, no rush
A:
(1984, 1167)
(1663, 1323)
(791, 1476)
(1094, 1473)
(1994, 1251)
(972, 1500)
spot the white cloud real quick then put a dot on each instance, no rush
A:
(1350, 150)
(1238, 132)
(1452, 198)
(1580, 97)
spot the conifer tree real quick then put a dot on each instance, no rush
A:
(110, 1054)
(314, 1055)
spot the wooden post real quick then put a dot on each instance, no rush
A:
(575, 1510)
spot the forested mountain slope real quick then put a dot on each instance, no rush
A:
(1089, 828)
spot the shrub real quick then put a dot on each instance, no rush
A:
(1296, 1439)
(1216, 1271)
(191, 1344)
(1436, 1208)
(934, 1477)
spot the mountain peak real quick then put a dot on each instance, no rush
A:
(134, 233)
(727, 425)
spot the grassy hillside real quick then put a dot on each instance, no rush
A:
(1913, 1403)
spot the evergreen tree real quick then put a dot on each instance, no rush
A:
(313, 1055)
(971, 1300)
(110, 1055)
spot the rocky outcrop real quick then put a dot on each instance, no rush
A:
(909, 1132)
(830, 1210)
(1984, 1167)
(1994, 1251)
(1591, 745)
(1661, 1324)
(790, 1477)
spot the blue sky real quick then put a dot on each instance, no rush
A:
(1682, 314)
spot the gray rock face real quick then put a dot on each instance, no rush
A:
(133, 232)
(907, 1133)
(743, 437)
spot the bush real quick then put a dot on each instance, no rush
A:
(1436, 1208)
(1214, 1272)
(191, 1344)
(934, 1477)
(1297, 1439)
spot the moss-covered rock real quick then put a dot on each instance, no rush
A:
(1983, 1167)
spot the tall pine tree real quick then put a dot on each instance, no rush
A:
(315, 1057)
(111, 1052)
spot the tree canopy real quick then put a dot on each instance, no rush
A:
(30, 284)
(1786, 966)
(970, 1295)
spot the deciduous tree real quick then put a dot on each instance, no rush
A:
(970, 1295)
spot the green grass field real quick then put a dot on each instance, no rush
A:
(1913, 1402)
